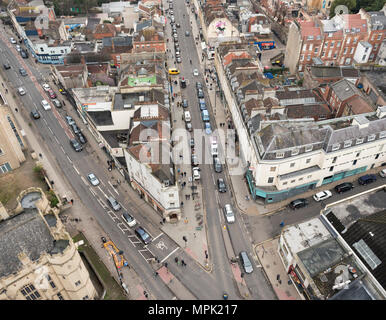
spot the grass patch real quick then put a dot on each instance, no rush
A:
(113, 289)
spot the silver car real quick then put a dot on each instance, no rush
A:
(93, 179)
(246, 263)
(228, 212)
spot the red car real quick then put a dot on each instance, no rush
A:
(52, 94)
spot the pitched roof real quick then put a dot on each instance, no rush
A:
(344, 89)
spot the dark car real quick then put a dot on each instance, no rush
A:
(35, 114)
(194, 161)
(24, 54)
(185, 103)
(183, 84)
(366, 179)
(103, 239)
(69, 120)
(198, 85)
(298, 203)
(75, 128)
(143, 235)
(343, 187)
(200, 93)
(221, 185)
(82, 138)
(22, 72)
(192, 142)
(76, 145)
(6, 66)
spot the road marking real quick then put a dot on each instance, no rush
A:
(158, 236)
(101, 203)
(69, 159)
(76, 170)
(169, 254)
(124, 207)
(93, 192)
(50, 130)
(58, 142)
(84, 180)
(45, 121)
(62, 148)
(102, 192)
(113, 188)
(110, 193)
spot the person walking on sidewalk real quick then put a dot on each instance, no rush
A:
(176, 259)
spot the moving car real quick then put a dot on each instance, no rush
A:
(198, 85)
(45, 105)
(178, 59)
(196, 173)
(129, 219)
(192, 142)
(298, 203)
(217, 165)
(245, 262)
(178, 25)
(343, 187)
(143, 235)
(46, 87)
(188, 126)
(113, 203)
(174, 71)
(208, 128)
(185, 103)
(6, 66)
(194, 160)
(323, 195)
(57, 103)
(24, 54)
(195, 72)
(187, 33)
(202, 104)
(76, 145)
(366, 179)
(35, 114)
(228, 212)
(221, 185)
(93, 179)
(23, 72)
(21, 91)
(200, 93)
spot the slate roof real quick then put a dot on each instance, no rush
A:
(344, 89)
(316, 111)
(334, 72)
(371, 229)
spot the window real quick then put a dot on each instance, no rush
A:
(292, 164)
(280, 154)
(308, 148)
(270, 179)
(316, 50)
(334, 160)
(359, 141)
(348, 60)
(273, 169)
(30, 292)
(379, 37)
(331, 168)
(375, 46)
(381, 135)
(348, 41)
(338, 45)
(294, 152)
(330, 34)
(171, 195)
(354, 162)
(304, 47)
(309, 176)
(355, 41)
(371, 137)
(329, 54)
(302, 57)
(323, 54)
(77, 283)
(345, 51)
(332, 44)
(325, 44)
(335, 146)
(284, 183)
(52, 284)
(308, 160)
(364, 57)
(347, 143)
(15, 131)
(308, 57)
(60, 297)
(5, 168)
(352, 50)
(310, 46)
(292, 181)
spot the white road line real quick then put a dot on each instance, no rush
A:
(45, 121)
(110, 193)
(84, 180)
(169, 254)
(93, 192)
(113, 187)
(58, 141)
(69, 159)
(102, 192)
(158, 236)
(101, 203)
(50, 130)
(76, 170)
(124, 207)
(61, 147)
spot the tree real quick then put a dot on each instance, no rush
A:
(370, 5)
(350, 4)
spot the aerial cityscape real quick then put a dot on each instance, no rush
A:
(193, 150)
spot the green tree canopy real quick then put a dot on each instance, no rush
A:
(350, 4)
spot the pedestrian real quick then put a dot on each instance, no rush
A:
(163, 220)
(182, 262)
(194, 234)
(145, 294)
(176, 259)
(156, 274)
(16, 109)
(182, 203)
(166, 264)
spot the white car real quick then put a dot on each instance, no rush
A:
(18, 48)
(228, 212)
(196, 173)
(46, 105)
(322, 195)
(21, 91)
(195, 72)
(46, 87)
(93, 179)
(382, 173)
(130, 220)
(13, 40)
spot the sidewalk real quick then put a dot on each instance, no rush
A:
(274, 270)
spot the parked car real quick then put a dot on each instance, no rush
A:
(323, 195)
(298, 203)
(76, 145)
(198, 85)
(228, 212)
(46, 87)
(188, 126)
(13, 41)
(93, 179)
(21, 91)
(382, 173)
(187, 33)
(195, 72)
(69, 120)
(366, 179)
(178, 59)
(245, 262)
(57, 103)
(178, 25)
(221, 185)
(343, 187)
(24, 54)
(195, 162)
(75, 128)
(202, 104)
(18, 48)
(196, 173)
(45, 105)
(217, 165)
(35, 114)
(185, 103)
(143, 235)
(192, 142)
(208, 128)
(23, 72)
(113, 203)
(52, 94)
(81, 138)
(129, 219)
(200, 93)
(6, 66)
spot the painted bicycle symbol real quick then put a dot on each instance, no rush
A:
(161, 245)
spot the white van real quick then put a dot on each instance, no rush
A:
(187, 117)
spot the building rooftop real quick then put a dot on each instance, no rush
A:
(334, 72)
